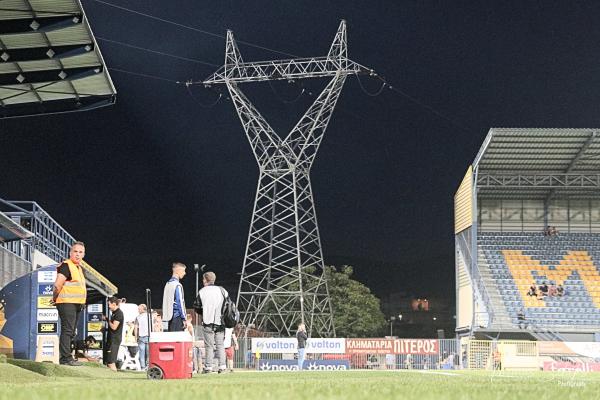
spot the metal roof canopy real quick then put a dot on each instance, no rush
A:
(10, 230)
(49, 60)
(539, 163)
(99, 283)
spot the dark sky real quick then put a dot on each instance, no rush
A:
(158, 177)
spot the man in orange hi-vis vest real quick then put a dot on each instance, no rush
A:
(69, 296)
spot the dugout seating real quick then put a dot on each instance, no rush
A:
(517, 259)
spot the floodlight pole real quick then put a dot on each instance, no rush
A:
(282, 280)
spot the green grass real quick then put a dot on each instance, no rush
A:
(95, 383)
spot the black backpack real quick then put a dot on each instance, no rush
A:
(230, 316)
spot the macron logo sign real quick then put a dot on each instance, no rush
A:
(289, 345)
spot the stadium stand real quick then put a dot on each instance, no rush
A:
(521, 182)
(518, 259)
(32, 239)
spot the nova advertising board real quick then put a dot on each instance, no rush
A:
(94, 317)
(45, 289)
(289, 345)
(310, 365)
(392, 346)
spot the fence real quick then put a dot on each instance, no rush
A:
(503, 354)
(377, 354)
(418, 354)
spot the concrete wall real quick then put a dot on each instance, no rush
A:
(11, 267)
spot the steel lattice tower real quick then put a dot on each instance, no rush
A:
(281, 282)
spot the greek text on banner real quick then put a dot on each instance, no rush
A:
(392, 346)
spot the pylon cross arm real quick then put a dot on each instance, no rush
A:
(298, 68)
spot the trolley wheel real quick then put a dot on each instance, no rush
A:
(155, 373)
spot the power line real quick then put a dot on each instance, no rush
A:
(187, 86)
(428, 107)
(189, 27)
(212, 34)
(155, 51)
(383, 85)
(144, 75)
(284, 100)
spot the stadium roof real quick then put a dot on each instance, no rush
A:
(49, 59)
(539, 163)
(10, 230)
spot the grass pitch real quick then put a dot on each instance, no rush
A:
(91, 383)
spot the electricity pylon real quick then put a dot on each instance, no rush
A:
(282, 280)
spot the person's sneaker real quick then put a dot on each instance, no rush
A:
(206, 371)
(222, 371)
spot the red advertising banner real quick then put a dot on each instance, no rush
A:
(392, 346)
(570, 366)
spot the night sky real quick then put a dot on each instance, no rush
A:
(160, 176)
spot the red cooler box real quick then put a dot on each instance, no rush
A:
(170, 355)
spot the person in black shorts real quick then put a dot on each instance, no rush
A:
(115, 333)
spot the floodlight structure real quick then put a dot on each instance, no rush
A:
(282, 280)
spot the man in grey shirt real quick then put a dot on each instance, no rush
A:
(143, 334)
(211, 299)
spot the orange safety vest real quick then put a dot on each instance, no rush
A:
(73, 291)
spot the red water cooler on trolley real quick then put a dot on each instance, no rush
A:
(170, 355)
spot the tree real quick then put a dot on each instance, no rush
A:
(356, 311)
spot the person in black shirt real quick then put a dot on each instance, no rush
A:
(70, 295)
(115, 332)
(521, 319)
(532, 290)
(544, 289)
(302, 338)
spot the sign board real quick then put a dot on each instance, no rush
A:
(94, 317)
(44, 302)
(47, 327)
(96, 335)
(94, 308)
(312, 365)
(45, 289)
(289, 345)
(571, 366)
(392, 346)
(47, 314)
(47, 348)
(95, 353)
(46, 276)
(94, 326)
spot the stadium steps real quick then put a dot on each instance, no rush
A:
(501, 317)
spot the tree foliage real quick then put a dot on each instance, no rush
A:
(357, 311)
